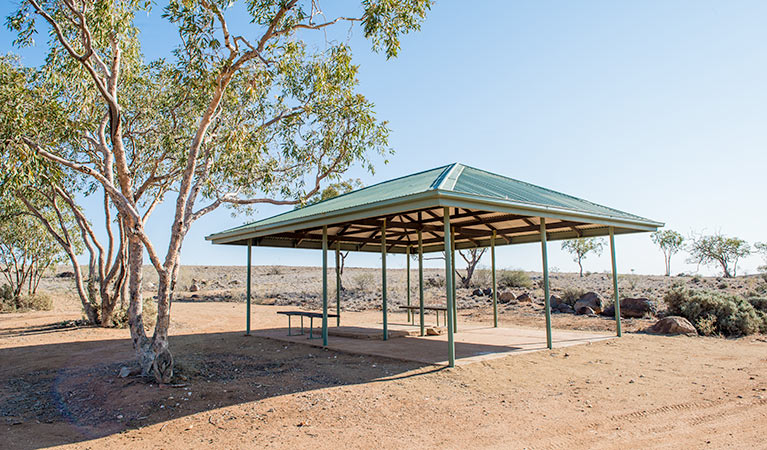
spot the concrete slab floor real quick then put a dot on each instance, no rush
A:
(473, 343)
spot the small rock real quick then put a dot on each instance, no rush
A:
(434, 331)
(506, 297)
(524, 298)
(477, 293)
(124, 372)
(66, 275)
(194, 287)
(487, 291)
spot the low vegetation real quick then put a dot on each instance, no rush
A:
(513, 279)
(717, 313)
(11, 303)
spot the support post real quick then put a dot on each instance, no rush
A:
(455, 297)
(420, 280)
(546, 300)
(383, 282)
(615, 285)
(247, 288)
(325, 286)
(338, 283)
(495, 284)
(449, 289)
(410, 317)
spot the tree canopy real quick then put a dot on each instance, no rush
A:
(670, 242)
(235, 117)
(719, 249)
(580, 248)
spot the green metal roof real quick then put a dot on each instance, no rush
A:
(464, 182)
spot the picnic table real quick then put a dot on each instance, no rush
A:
(302, 314)
(436, 309)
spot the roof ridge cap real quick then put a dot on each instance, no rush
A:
(448, 180)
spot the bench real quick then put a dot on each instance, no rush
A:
(302, 314)
(436, 309)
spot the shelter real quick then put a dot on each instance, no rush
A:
(446, 208)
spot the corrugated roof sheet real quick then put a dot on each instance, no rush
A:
(456, 178)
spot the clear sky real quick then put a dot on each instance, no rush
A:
(658, 108)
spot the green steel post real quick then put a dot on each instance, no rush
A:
(383, 281)
(247, 290)
(420, 279)
(325, 286)
(546, 300)
(455, 297)
(410, 316)
(338, 283)
(615, 285)
(449, 290)
(495, 294)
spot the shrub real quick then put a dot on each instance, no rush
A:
(274, 270)
(514, 278)
(715, 312)
(759, 303)
(482, 278)
(365, 281)
(148, 313)
(23, 303)
(35, 302)
(571, 295)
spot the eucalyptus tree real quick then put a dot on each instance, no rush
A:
(718, 249)
(47, 191)
(26, 250)
(581, 247)
(670, 242)
(240, 117)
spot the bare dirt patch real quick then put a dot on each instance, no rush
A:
(59, 386)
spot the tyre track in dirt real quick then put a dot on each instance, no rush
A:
(703, 419)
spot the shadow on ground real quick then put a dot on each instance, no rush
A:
(74, 386)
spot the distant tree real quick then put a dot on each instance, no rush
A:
(719, 249)
(581, 247)
(761, 248)
(670, 242)
(472, 257)
(334, 190)
(26, 250)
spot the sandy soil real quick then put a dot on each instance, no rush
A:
(59, 386)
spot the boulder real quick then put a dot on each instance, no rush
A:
(632, 308)
(565, 308)
(590, 300)
(554, 302)
(487, 291)
(673, 325)
(525, 298)
(637, 307)
(609, 311)
(66, 275)
(434, 331)
(194, 287)
(477, 293)
(506, 297)
(585, 310)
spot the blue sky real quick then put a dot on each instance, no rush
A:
(658, 108)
